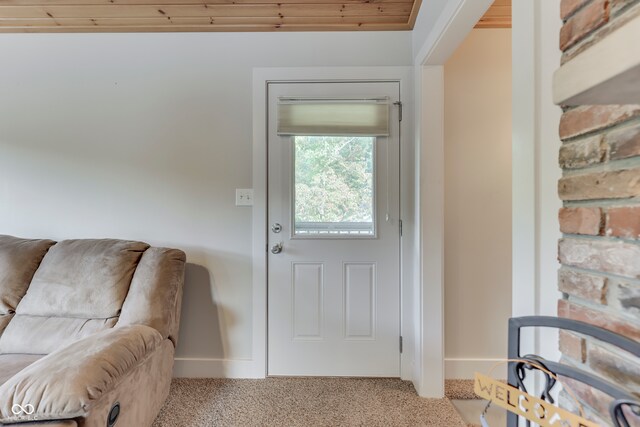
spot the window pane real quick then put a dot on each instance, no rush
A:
(334, 192)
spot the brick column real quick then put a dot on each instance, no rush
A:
(600, 220)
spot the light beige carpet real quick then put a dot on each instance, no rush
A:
(459, 389)
(302, 402)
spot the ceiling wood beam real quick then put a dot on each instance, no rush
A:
(199, 21)
(498, 15)
(207, 28)
(193, 2)
(172, 10)
(206, 15)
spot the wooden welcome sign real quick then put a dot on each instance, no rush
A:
(525, 405)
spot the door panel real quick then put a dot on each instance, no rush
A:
(308, 289)
(333, 269)
(360, 300)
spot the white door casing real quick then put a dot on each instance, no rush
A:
(334, 301)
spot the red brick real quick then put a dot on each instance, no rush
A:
(623, 222)
(601, 136)
(632, 418)
(613, 365)
(567, 7)
(628, 299)
(583, 285)
(591, 396)
(581, 221)
(614, 257)
(597, 400)
(589, 118)
(624, 142)
(599, 318)
(619, 184)
(616, 5)
(589, 18)
(567, 402)
(618, 20)
(572, 346)
(582, 153)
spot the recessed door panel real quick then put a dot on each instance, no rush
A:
(307, 283)
(360, 300)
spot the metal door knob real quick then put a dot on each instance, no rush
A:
(277, 248)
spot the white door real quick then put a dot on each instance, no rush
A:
(334, 240)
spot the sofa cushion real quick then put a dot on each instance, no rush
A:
(155, 295)
(86, 279)
(68, 382)
(11, 364)
(4, 321)
(19, 260)
(43, 335)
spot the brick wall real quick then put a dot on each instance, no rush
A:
(600, 220)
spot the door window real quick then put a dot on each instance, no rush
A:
(334, 186)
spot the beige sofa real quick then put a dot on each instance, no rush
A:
(88, 330)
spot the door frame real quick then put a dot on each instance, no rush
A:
(261, 78)
(455, 21)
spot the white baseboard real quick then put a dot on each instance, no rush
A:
(214, 368)
(465, 368)
(245, 368)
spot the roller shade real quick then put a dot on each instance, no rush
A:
(333, 117)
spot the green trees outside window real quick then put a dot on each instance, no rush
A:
(334, 178)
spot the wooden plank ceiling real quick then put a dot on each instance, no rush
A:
(498, 15)
(205, 15)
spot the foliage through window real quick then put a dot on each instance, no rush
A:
(334, 185)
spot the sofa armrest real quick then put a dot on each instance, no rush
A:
(65, 383)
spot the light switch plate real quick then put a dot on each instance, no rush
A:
(244, 196)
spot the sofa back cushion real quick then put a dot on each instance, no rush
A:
(19, 260)
(79, 289)
(83, 279)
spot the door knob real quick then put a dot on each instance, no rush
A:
(277, 248)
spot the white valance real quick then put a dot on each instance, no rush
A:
(333, 117)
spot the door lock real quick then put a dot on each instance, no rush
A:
(277, 248)
(276, 228)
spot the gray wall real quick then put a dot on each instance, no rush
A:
(146, 136)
